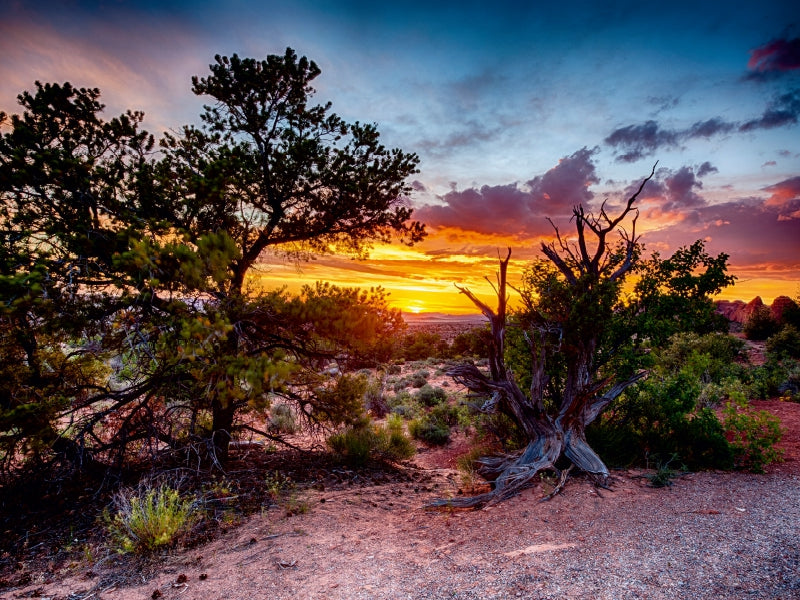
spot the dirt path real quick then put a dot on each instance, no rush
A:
(711, 535)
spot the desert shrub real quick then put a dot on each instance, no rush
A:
(398, 446)
(430, 396)
(709, 358)
(150, 520)
(500, 428)
(282, 419)
(659, 417)
(430, 430)
(753, 436)
(785, 343)
(343, 402)
(394, 369)
(422, 345)
(663, 474)
(468, 466)
(363, 441)
(760, 324)
(374, 400)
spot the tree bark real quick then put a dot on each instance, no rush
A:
(562, 435)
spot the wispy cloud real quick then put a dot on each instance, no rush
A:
(634, 142)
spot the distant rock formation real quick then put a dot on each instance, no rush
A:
(780, 304)
(737, 311)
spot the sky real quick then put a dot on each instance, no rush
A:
(518, 112)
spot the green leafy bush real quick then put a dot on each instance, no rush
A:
(150, 520)
(430, 396)
(659, 417)
(359, 443)
(753, 436)
(785, 343)
(430, 430)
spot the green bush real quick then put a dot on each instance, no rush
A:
(429, 430)
(708, 358)
(659, 417)
(430, 396)
(760, 324)
(150, 520)
(785, 343)
(357, 444)
(753, 436)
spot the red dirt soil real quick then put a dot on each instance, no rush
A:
(711, 535)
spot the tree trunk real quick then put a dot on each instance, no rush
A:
(221, 430)
(550, 439)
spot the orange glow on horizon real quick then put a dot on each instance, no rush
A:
(423, 279)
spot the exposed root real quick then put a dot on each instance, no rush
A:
(560, 485)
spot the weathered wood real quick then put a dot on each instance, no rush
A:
(562, 435)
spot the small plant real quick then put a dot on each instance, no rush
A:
(277, 483)
(358, 444)
(147, 521)
(785, 344)
(282, 419)
(752, 435)
(664, 474)
(468, 465)
(296, 506)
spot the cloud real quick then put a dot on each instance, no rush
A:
(784, 193)
(641, 140)
(672, 193)
(514, 209)
(635, 142)
(707, 129)
(706, 169)
(777, 55)
(782, 111)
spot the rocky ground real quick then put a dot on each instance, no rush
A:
(710, 535)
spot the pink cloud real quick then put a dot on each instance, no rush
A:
(777, 55)
(514, 209)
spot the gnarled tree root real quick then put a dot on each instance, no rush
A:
(515, 473)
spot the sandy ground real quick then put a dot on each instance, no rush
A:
(710, 535)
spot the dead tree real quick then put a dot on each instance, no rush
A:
(557, 434)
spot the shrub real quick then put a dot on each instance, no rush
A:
(469, 464)
(150, 520)
(659, 417)
(760, 324)
(752, 435)
(785, 343)
(393, 369)
(709, 358)
(374, 401)
(430, 396)
(429, 430)
(282, 419)
(358, 444)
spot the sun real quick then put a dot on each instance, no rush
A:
(415, 309)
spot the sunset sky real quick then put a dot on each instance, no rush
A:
(517, 110)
